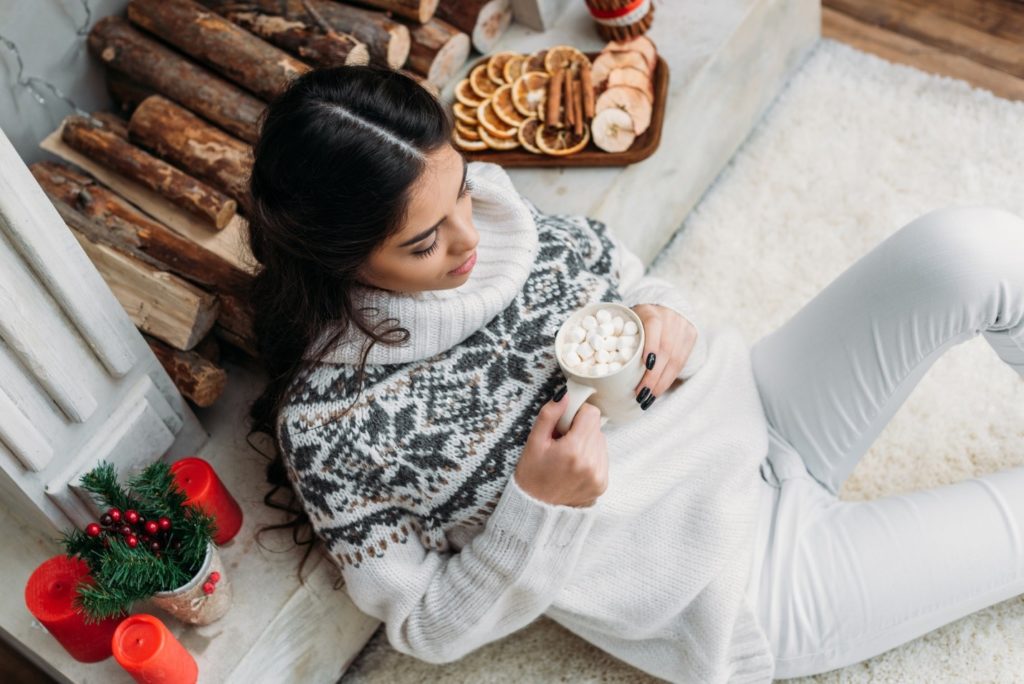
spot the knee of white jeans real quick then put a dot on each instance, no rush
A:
(973, 243)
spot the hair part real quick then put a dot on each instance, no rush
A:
(333, 169)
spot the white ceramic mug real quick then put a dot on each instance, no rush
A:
(612, 393)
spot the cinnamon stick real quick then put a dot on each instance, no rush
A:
(551, 117)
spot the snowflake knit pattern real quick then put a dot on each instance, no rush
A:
(442, 435)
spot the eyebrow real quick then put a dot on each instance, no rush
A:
(428, 231)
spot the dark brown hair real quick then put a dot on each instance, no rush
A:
(333, 168)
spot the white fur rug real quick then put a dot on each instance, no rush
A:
(853, 148)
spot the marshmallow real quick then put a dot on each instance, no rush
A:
(617, 324)
(603, 356)
(589, 322)
(607, 329)
(614, 366)
(577, 334)
(585, 350)
(629, 328)
(601, 369)
(603, 316)
(625, 354)
(595, 340)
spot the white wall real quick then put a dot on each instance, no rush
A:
(45, 32)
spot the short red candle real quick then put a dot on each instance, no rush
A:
(49, 596)
(203, 488)
(148, 651)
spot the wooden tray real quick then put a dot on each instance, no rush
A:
(591, 155)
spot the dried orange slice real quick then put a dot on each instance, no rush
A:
(465, 114)
(497, 143)
(480, 82)
(496, 65)
(513, 68)
(563, 56)
(562, 141)
(528, 135)
(465, 94)
(466, 144)
(535, 62)
(494, 125)
(467, 131)
(503, 107)
(529, 92)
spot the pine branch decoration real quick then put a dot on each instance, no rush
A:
(120, 573)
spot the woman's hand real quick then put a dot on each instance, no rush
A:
(669, 339)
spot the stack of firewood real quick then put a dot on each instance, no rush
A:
(157, 194)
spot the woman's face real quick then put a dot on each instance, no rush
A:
(438, 235)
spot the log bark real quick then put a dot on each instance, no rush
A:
(484, 21)
(387, 40)
(153, 67)
(159, 303)
(248, 60)
(126, 93)
(195, 376)
(104, 216)
(116, 124)
(116, 152)
(191, 144)
(234, 323)
(420, 11)
(304, 40)
(438, 51)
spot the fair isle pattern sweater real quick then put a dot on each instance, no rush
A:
(412, 488)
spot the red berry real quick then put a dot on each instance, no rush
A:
(133, 541)
(215, 576)
(152, 527)
(165, 523)
(114, 514)
(208, 587)
(154, 546)
(92, 529)
(131, 516)
(125, 530)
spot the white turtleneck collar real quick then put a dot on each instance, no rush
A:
(438, 320)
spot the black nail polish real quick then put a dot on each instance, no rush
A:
(643, 394)
(650, 361)
(559, 393)
(650, 400)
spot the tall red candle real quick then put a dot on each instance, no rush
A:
(148, 651)
(197, 478)
(49, 596)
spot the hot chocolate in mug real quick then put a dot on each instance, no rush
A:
(613, 391)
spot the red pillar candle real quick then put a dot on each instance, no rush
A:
(148, 651)
(197, 478)
(49, 596)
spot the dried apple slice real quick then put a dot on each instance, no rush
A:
(628, 76)
(613, 130)
(633, 101)
(607, 61)
(642, 44)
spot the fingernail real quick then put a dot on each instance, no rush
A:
(642, 395)
(650, 361)
(559, 393)
(650, 400)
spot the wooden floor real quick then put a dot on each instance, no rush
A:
(980, 41)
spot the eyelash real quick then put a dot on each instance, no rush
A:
(432, 248)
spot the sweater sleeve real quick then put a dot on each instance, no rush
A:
(439, 605)
(638, 287)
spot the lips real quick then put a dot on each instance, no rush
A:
(466, 266)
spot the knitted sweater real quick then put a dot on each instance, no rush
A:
(412, 488)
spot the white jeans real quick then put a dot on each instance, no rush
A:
(836, 582)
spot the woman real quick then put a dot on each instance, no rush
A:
(697, 543)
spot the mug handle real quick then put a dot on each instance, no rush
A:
(576, 393)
